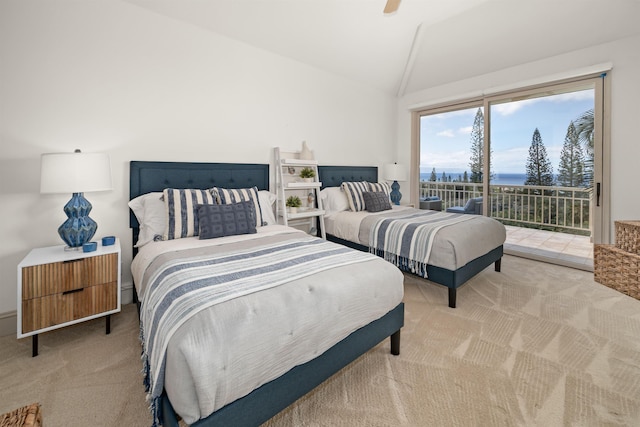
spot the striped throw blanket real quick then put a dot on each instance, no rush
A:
(406, 240)
(182, 287)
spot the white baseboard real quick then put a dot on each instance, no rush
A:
(8, 323)
(126, 293)
(8, 320)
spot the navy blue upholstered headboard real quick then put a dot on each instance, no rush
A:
(333, 176)
(145, 177)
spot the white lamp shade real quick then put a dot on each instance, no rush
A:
(395, 172)
(75, 172)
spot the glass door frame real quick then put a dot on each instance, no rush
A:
(601, 84)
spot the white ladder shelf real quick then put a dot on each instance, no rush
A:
(289, 183)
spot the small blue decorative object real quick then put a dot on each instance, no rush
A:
(395, 195)
(108, 240)
(78, 228)
(89, 247)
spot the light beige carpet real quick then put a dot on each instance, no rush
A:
(537, 344)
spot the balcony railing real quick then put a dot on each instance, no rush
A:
(564, 209)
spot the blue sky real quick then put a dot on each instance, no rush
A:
(445, 138)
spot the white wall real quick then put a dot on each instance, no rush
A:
(111, 77)
(625, 113)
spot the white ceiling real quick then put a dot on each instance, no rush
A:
(454, 39)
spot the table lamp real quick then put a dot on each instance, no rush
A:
(75, 173)
(395, 172)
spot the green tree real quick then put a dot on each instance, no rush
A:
(465, 177)
(477, 147)
(433, 177)
(444, 177)
(571, 168)
(539, 169)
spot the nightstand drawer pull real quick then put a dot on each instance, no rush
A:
(67, 261)
(72, 291)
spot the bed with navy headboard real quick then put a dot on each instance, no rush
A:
(334, 176)
(273, 396)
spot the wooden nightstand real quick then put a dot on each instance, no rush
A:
(57, 288)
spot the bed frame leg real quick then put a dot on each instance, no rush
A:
(452, 297)
(498, 264)
(395, 343)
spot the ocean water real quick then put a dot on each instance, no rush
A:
(498, 178)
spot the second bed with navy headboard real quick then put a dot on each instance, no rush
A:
(471, 238)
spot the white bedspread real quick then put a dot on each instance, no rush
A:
(453, 247)
(232, 348)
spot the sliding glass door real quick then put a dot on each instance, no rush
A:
(543, 173)
(534, 158)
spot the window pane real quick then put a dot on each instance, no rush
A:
(542, 165)
(451, 155)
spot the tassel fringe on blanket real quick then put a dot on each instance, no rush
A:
(406, 241)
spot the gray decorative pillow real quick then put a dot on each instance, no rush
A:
(376, 201)
(226, 220)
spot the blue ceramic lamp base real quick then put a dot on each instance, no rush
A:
(395, 194)
(78, 228)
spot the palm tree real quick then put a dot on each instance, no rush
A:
(584, 129)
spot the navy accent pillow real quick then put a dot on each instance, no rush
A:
(376, 201)
(226, 220)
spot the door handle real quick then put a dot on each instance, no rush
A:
(598, 194)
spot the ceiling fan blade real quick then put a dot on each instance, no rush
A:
(391, 6)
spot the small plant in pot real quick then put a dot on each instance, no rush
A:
(293, 203)
(307, 174)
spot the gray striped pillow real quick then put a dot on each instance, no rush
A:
(380, 187)
(182, 211)
(226, 196)
(354, 191)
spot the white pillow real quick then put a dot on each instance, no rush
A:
(267, 199)
(149, 209)
(334, 199)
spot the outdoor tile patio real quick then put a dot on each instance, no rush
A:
(548, 246)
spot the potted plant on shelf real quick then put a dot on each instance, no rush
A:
(307, 174)
(293, 203)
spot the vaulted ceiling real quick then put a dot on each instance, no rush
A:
(425, 43)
